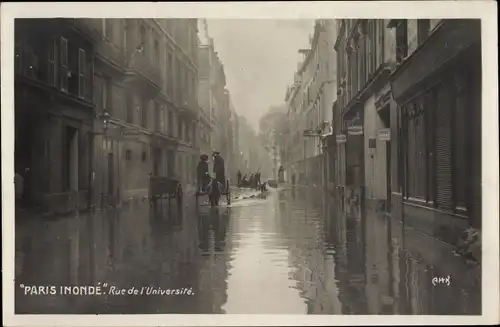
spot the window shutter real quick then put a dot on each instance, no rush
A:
(63, 58)
(51, 61)
(443, 148)
(81, 73)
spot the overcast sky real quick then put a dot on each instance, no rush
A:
(260, 57)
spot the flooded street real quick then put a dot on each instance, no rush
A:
(293, 252)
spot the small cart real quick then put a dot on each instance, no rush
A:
(161, 187)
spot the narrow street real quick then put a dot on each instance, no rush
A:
(293, 252)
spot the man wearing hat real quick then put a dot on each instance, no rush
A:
(219, 170)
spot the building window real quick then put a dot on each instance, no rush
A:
(130, 109)
(416, 151)
(142, 36)
(63, 58)
(81, 73)
(144, 114)
(107, 26)
(423, 28)
(157, 53)
(128, 155)
(158, 121)
(144, 156)
(107, 95)
(52, 68)
(170, 123)
(170, 72)
(401, 40)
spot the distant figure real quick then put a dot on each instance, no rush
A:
(202, 173)
(257, 180)
(251, 181)
(238, 176)
(219, 170)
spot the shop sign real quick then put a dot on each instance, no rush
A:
(341, 138)
(384, 134)
(312, 132)
(355, 130)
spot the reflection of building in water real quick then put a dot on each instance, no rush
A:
(377, 265)
(303, 230)
(213, 271)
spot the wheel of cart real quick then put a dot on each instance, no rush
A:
(161, 187)
(227, 192)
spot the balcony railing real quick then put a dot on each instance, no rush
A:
(85, 26)
(111, 51)
(137, 62)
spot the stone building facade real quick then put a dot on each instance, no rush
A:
(146, 80)
(118, 102)
(54, 112)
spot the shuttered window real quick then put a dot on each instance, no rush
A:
(416, 151)
(82, 69)
(461, 135)
(63, 60)
(51, 61)
(443, 147)
(429, 107)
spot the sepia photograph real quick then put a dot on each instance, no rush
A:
(196, 164)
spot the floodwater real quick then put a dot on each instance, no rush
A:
(290, 252)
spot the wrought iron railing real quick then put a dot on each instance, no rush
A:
(138, 62)
(111, 51)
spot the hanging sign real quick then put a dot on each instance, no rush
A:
(355, 130)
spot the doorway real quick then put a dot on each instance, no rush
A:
(384, 115)
(71, 160)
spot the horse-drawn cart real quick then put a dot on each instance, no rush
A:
(214, 190)
(161, 187)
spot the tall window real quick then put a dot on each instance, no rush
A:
(401, 40)
(144, 114)
(81, 73)
(170, 73)
(107, 26)
(107, 94)
(380, 42)
(170, 123)
(52, 69)
(63, 59)
(130, 108)
(157, 115)
(142, 36)
(157, 53)
(416, 151)
(461, 143)
(423, 27)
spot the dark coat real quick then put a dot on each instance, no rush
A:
(219, 170)
(202, 170)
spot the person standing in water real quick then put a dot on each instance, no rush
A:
(219, 169)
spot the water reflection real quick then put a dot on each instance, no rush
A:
(294, 252)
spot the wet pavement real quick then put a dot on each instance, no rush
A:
(292, 252)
